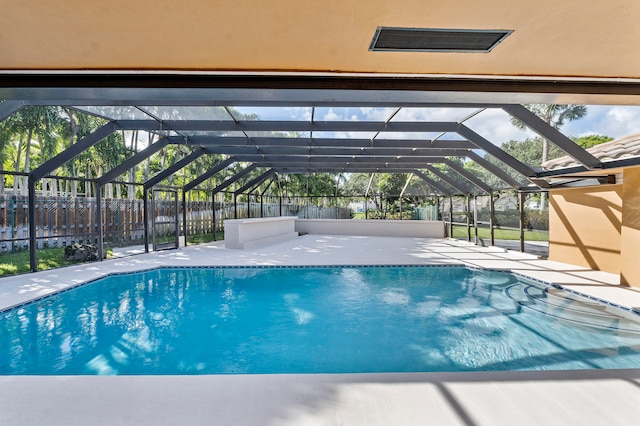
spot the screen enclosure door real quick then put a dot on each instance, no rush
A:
(164, 213)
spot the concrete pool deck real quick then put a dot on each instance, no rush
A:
(483, 398)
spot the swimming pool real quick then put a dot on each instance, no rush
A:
(243, 320)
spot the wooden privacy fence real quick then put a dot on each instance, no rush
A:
(62, 221)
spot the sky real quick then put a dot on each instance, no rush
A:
(493, 124)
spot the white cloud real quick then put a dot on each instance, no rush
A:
(613, 121)
(495, 125)
(330, 115)
(413, 135)
(433, 114)
(303, 114)
(377, 114)
(345, 114)
(344, 135)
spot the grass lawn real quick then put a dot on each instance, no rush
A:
(460, 231)
(18, 262)
(205, 238)
(48, 258)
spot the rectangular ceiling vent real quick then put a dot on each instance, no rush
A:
(436, 40)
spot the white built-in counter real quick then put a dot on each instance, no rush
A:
(246, 233)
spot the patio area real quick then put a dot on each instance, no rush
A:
(489, 398)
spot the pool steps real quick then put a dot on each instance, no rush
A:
(571, 308)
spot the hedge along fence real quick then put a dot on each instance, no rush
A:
(533, 219)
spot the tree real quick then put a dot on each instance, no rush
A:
(530, 151)
(592, 140)
(356, 185)
(311, 184)
(391, 185)
(555, 116)
(486, 176)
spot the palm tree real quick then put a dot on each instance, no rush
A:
(35, 132)
(555, 116)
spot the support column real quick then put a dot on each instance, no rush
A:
(145, 208)
(99, 221)
(475, 217)
(184, 218)
(176, 204)
(491, 218)
(33, 241)
(261, 206)
(469, 218)
(366, 208)
(213, 215)
(521, 208)
(235, 206)
(450, 216)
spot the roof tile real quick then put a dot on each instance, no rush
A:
(627, 146)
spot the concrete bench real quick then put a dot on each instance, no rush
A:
(380, 228)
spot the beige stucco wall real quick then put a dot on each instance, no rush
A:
(630, 243)
(317, 36)
(599, 227)
(585, 226)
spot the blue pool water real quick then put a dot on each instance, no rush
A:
(313, 320)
